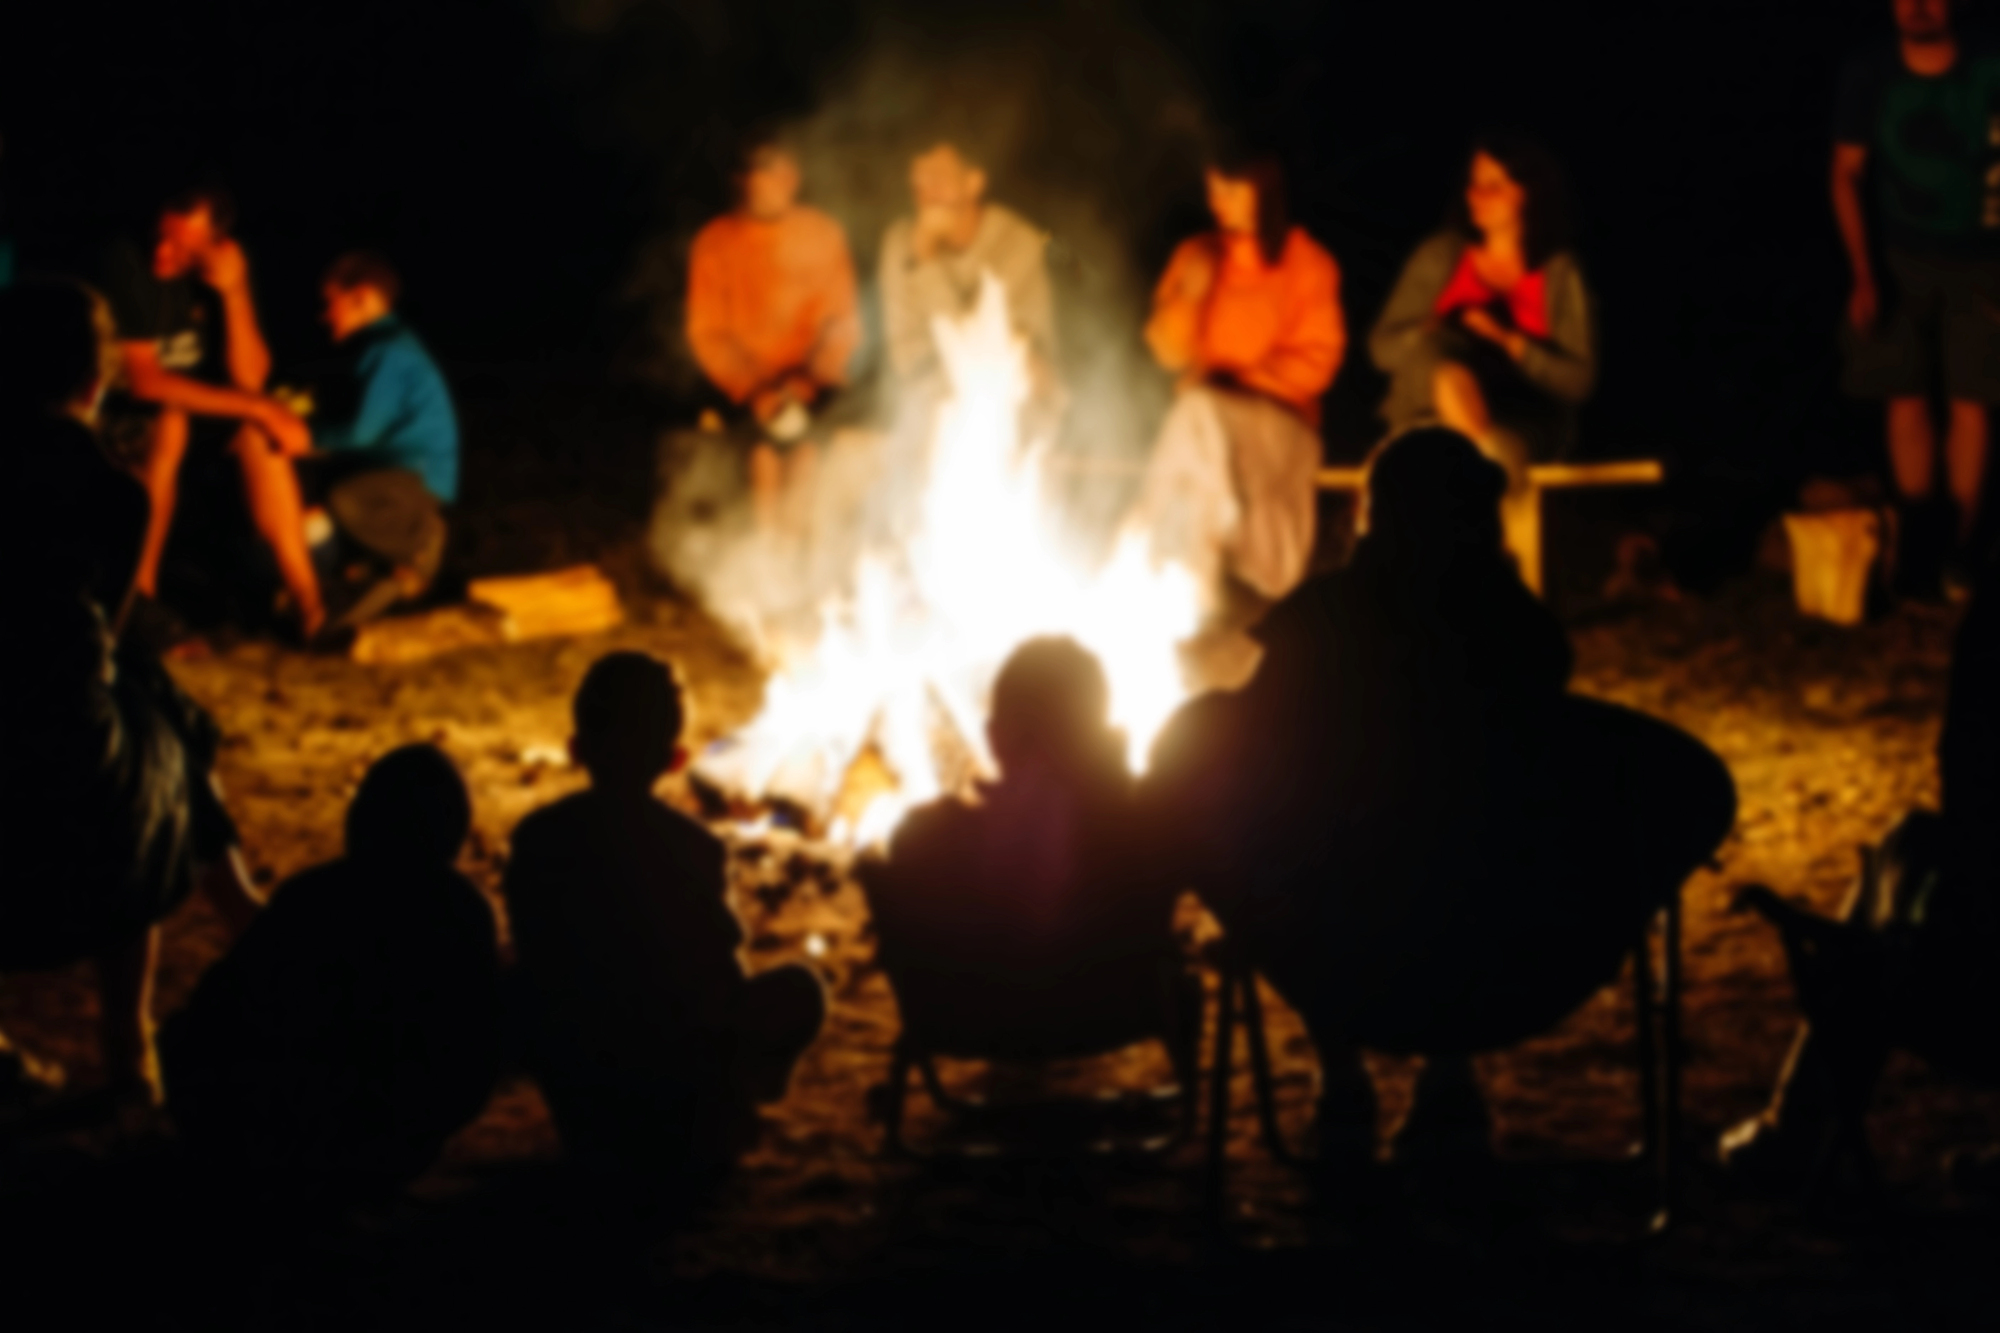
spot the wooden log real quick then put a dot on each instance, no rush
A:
(1543, 476)
(1833, 554)
(577, 600)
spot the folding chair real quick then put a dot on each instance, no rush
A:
(1656, 991)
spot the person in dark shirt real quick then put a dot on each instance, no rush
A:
(115, 816)
(1421, 840)
(649, 1042)
(1922, 118)
(196, 351)
(385, 439)
(1037, 919)
(355, 1026)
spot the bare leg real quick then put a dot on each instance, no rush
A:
(160, 474)
(1913, 447)
(1965, 462)
(767, 484)
(125, 1019)
(276, 507)
(798, 469)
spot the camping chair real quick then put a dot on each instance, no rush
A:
(953, 1011)
(1657, 994)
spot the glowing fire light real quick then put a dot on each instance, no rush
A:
(914, 651)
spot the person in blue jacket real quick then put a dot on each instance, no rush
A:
(384, 463)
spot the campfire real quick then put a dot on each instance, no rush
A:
(886, 708)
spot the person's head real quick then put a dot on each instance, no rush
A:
(191, 224)
(1051, 706)
(1923, 20)
(58, 344)
(1432, 494)
(1512, 184)
(412, 806)
(359, 289)
(1246, 193)
(947, 176)
(768, 179)
(628, 720)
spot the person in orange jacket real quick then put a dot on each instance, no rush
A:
(1248, 318)
(772, 318)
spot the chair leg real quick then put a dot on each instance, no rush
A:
(1218, 1106)
(1260, 1071)
(1673, 1055)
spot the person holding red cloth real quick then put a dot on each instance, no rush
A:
(772, 317)
(1248, 318)
(1489, 328)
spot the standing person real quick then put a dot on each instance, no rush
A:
(1488, 330)
(1922, 118)
(114, 817)
(385, 438)
(179, 365)
(1248, 318)
(773, 318)
(650, 1044)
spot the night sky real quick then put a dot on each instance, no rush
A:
(520, 159)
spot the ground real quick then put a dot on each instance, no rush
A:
(1829, 733)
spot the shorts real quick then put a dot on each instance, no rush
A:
(385, 510)
(1940, 323)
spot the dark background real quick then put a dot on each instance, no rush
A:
(535, 168)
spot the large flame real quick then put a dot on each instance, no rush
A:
(912, 654)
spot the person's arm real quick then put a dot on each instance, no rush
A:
(1565, 365)
(387, 390)
(1408, 315)
(906, 328)
(840, 319)
(151, 382)
(1173, 334)
(716, 349)
(227, 270)
(1850, 166)
(1308, 354)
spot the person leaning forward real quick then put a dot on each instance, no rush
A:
(178, 366)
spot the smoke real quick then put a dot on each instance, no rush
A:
(1087, 125)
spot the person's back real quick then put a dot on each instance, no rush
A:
(1041, 914)
(355, 1026)
(648, 1040)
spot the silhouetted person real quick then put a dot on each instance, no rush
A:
(1038, 919)
(354, 1027)
(1424, 843)
(1913, 963)
(112, 817)
(650, 1044)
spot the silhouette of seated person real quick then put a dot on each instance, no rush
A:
(651, 1045)
(328, 1056)
(1912, 963)
(1036, 920)
(114, 817)
(1421, 840)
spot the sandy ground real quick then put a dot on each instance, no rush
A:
(1829, 734)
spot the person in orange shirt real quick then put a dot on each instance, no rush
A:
(772, 318)
(1248, 318)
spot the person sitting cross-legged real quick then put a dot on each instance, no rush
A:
(385, 442)
(326, 1058)
(1036, 921)
(649, 1042)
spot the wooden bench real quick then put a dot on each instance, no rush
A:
(1524, 537)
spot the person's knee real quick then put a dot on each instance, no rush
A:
(168, 442)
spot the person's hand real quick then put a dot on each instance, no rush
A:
(800, 388)
(932, 231)
(1864, 304)
(224, 267)
(1481, 324)
(288, 432)
(1197, 275)
(765, 404)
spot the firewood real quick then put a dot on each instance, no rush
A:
(577, 600)
(415, 638)
(1833, 555)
